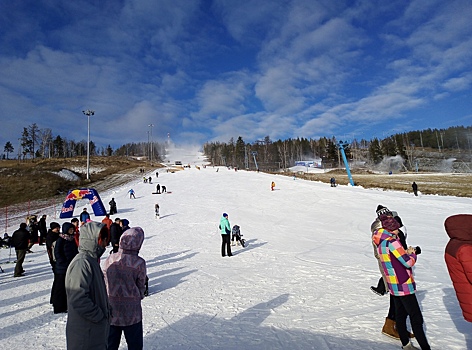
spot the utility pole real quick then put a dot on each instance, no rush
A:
(152, 146)
(88, 113)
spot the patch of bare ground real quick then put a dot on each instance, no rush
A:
(450, 184)
(36, 187)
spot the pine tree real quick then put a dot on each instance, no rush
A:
(8, 148)
(375, 151)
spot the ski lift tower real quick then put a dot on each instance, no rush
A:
(254, 154)
(341, 146)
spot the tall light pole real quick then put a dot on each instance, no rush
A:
(152, 148)
(88, 113)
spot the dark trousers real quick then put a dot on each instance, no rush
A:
(391, 310)
(226, 243)
(133, 336)
(408, 306)
(58, 293)
(20, 258)
(42, 237)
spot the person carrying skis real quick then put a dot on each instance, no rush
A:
(225, 229)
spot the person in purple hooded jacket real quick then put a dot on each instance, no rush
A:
(125, 279)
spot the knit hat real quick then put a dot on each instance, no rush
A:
(225, 215)
(54, 225)
(389, 223)
(125, 222)
(381, 210)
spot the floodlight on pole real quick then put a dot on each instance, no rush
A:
(88, 113)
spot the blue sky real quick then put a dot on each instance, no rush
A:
(212, 70)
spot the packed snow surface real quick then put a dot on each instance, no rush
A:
(301, 283)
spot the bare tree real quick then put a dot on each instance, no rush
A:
(33, 131)
(45, 139)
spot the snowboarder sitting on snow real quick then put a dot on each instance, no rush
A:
(236, 236)
(5, 242)
(145, 179)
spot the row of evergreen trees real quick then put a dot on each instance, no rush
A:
(268, 154)
(40, 143)
(271, 155)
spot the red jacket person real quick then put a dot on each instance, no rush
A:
(458, 258)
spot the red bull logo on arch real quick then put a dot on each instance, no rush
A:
(73, 196)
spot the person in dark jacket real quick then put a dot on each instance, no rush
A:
(20, 240)
(115, 234)
(34, 231)
(43, 230)
(458, 256)
(76, 223)
(414, 186)
(51, 238)
(88, 310)
(124, 225)
(64, 251)
(113, 209)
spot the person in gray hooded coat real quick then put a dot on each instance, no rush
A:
(88, 309)
(125, 278)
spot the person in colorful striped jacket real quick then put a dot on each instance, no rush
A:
(397, 263)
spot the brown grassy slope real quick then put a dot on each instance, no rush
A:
(29, 181)
(459, 185)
